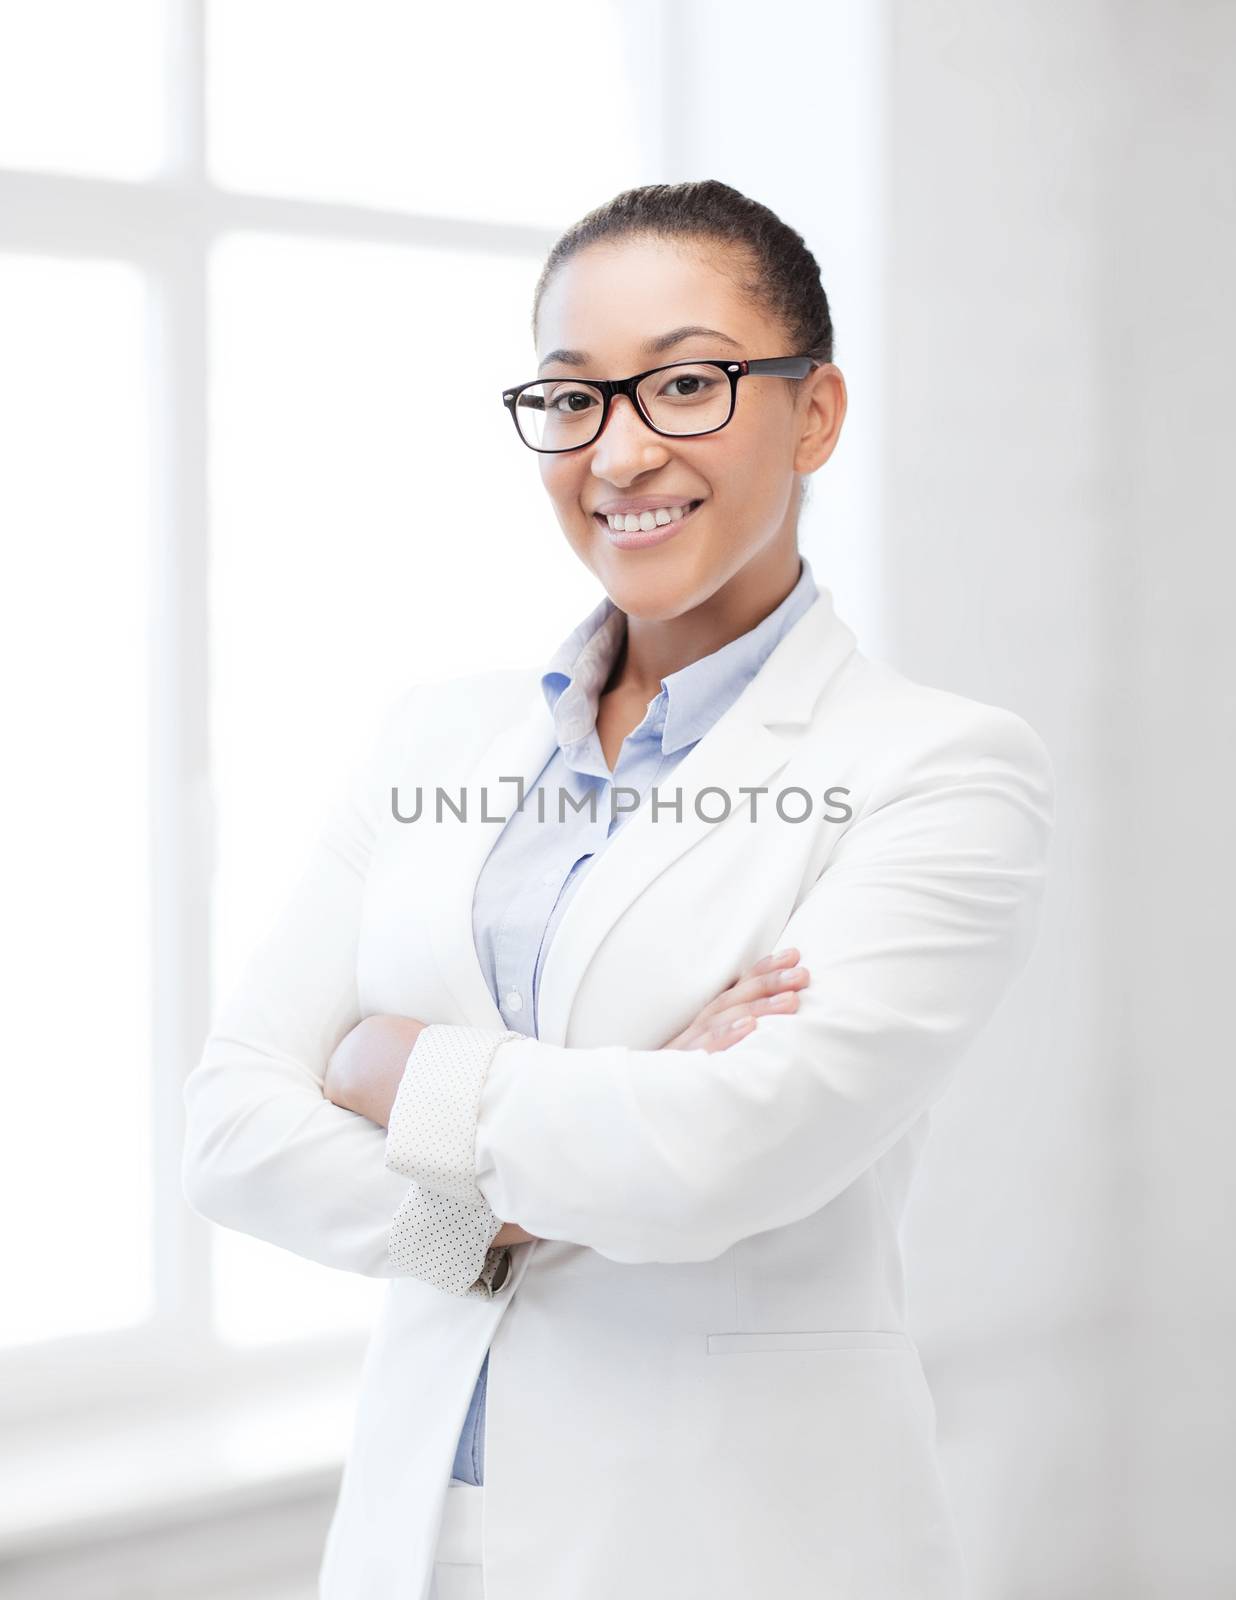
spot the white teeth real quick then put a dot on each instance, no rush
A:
(646, 521)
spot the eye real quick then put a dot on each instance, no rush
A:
(571, 402)
(695, 385)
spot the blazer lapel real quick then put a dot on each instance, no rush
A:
(448, 882)
(748, 745)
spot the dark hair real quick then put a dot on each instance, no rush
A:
(781, 275)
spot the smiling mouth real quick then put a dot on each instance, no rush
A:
(639, 537)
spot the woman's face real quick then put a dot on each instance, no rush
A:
(607, 303)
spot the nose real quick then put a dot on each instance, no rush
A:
(627, 446)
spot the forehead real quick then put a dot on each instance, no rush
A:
(612, 297)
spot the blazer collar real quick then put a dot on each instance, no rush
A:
(747, 745)
(694, 696)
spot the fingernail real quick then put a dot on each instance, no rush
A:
(742, 1022)
(781, 954)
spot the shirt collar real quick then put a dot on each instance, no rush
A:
(691, 699)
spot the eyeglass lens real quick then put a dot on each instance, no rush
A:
(564, 413)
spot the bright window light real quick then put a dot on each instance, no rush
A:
(75, 1160)
(366, 487)
(82, 87)
(382, 103)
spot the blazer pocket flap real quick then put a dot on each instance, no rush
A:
(720, 1344)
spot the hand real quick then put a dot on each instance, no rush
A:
(366, 1066)
(512, 1233)
(766, 988)
(770, 987)
(364, 1074)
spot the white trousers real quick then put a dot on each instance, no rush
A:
(458, 1573)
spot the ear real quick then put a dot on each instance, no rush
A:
(823, 414)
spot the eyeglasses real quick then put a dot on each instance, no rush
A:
(680, 401)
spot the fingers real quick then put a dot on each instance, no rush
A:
(721, 1035)
(765, 980)
(770, 989)
(762, 978)
(782, 957)
(783, 1004)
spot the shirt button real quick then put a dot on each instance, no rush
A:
(515, 1001)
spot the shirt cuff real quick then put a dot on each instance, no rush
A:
(443, 1229)
(448, 1243)
(431, 1132)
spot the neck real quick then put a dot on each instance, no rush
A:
(654, 649)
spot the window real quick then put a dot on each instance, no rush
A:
(76, 659)
(256, 263)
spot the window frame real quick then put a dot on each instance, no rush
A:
(167, 227)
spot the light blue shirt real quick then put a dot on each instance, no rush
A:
(535, 867)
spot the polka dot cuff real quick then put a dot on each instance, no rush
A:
(443, 1228)
(447, 1243)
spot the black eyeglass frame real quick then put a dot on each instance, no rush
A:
(767, 367)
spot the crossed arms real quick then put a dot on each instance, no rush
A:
(923, 916)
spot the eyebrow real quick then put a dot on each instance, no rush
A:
(652, 347)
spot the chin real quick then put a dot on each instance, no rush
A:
(653, 596)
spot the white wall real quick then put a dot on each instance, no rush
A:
(787, 106)
(1024, 215)
(1058, 539)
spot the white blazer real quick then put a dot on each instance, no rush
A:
(702, 1383)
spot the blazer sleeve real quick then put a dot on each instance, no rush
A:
(924, 915)
(265, 1151)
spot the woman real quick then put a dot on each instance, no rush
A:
(647, 1314)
